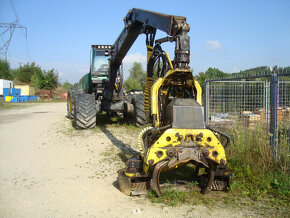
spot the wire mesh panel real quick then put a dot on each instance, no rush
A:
(260, 105)
(229, 101)
(284, 97)
(283, 114)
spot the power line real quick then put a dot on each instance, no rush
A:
(26, 40)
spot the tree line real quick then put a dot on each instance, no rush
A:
(31, 74)
(39, 78)
(136, 80)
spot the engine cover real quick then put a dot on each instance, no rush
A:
(184, 113)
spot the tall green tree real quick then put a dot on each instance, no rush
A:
(136, 80)
(5, 71)
(37, 80)
(50, 79)
(211, 73)
(215, 73)
(35, 76)
(24, 73)
(66, 85)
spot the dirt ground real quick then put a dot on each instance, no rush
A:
(48, 169)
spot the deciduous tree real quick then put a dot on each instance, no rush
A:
(5, 71)
(136, 80)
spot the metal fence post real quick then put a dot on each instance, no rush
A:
(266, 101)
(274, 112)
(206, 102)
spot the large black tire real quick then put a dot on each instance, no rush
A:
(70, 101)
(139, 114)
(84, 111)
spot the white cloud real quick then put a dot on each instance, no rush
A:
(136, 57)
(212, 44)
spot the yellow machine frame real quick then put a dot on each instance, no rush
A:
(168, 144)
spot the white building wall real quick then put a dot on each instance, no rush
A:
(5, 84)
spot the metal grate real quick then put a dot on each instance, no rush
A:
(248, 102)
(283, 118)
(233, 98)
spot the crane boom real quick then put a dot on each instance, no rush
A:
(104, 83)
(139, 21)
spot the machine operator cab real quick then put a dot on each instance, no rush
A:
(100, 55)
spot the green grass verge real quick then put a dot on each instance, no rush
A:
(256, 174)
(8, 105)
(114, 120)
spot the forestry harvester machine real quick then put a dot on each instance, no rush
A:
(173, 106)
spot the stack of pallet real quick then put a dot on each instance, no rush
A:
(283, 113)
(262, 113)
(249, 118)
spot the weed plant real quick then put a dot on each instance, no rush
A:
(257, 173)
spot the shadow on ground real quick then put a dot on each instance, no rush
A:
(125, 150)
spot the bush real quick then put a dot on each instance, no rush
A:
(5, 71)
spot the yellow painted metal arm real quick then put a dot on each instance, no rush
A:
(198, 92)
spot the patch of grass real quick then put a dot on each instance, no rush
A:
(104, 119)
(10, 105)
(116, 155)
(169, 197)
(174, 197)
(114, 120)
(126, 154)
(109, 152)
(69, 131)
(256, 174)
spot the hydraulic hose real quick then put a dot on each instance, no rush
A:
(140, 140)
(148, 130)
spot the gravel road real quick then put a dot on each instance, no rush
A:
(48, 169)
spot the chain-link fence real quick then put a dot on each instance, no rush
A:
(259, 102)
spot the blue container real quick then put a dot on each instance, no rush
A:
(25, 98)
(21, 98)
(30, 98)
(18, 92)
(6, 91)
(15, 92)
(14, 99)
(35, 98)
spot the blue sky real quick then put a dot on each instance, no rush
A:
(231, 35)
